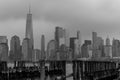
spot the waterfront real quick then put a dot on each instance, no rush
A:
(60, 70)
(42, 75)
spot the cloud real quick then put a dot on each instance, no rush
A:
(102, 16)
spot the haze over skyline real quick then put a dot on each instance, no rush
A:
(102, 16)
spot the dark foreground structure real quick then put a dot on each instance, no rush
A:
(82, 70)
(95, 70)
(85, 70)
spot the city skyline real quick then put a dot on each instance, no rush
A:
(94, 15)
(60, 39)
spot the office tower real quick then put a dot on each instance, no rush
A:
(27, 50)
(59, 36)
(51, 50)
(36, 55)
(108, 48)
(63, 52)
(29, 34)
(100, 47)
(42, 47)
(97, 45)
(73, 46)
(29, 28)
(3, 39)
(94, 39)
(67, 40)
(76, 49)
(15, 49)
(62, 38)
(85, 49)
(79, 42)
(3, 51)
(107, 41)
(3, 48)
(115, 48)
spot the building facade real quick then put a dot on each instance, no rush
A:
(43, 47)
(97, 46)
(79, 43)
(51, 50)
(108, 49)
(3, 52)
(85, 49)
(115, 48)
(27, 50)
(15, 49)
(73, 46)
(60, 36)
(3, 48)
(29, 34)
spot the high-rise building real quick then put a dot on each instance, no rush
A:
(29, 34)
(59, 36)
(115, 48)
(108, 48)
(85, 49)
(73, 46)
(67, 40)
(79, 41)
(100, 47)
(3, 51)
(3, 39)
(62, 38)
(15, 49)
(97, 46)
(63, 52)
(107, 41)
(94, 39)
(43, 47)
(27, 50)
(76, 49)
(29, 28)
(3, 48)
(51, 50)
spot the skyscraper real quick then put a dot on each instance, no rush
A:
(3, 51)
(26, 50)
(3, 48)
(94, 39)
(85, 48)
(3, 39)
(67, 40)
(51, 50)
(115, 48)
(107, 41)
(42, 47)
(97, 45)
(108, 48)
(29, 28)
(73, 43)
(59, 36)
(79, 42)
(28, 42)
(15, 50)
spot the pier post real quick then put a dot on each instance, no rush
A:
(76, 70)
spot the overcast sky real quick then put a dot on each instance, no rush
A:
(102, 16)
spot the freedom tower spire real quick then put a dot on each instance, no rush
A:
(29, 28)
